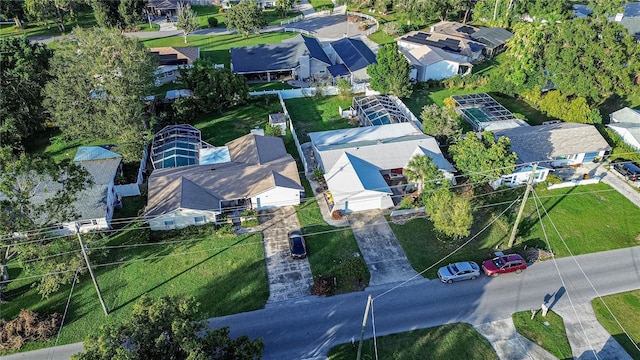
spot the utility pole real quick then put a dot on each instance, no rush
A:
(495, 10)
(364, 324)
(95, 282)
(524, 201)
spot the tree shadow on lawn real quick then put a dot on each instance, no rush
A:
(134, 298)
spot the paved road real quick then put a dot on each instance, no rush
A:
(310, 327)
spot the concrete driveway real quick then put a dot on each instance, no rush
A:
(288, 278)
(382, 252)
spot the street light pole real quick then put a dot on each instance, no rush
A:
(364, 324)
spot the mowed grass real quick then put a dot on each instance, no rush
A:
(220, 128)
(332, 251)
(53, 143)
(579, 214)
(380, 37)
(320, 5)
(551, 337)
(625, 307)
(451, 341)
(312, 114)
(84, 18)
(226, 274)
(216, 47)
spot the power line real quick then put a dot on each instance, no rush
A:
(589, 280)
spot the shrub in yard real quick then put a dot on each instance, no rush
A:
(213, 22)
(407, 202)
(28, 326)
(205, 229)
(553, 179)
(392, 28)
(226, 229)
(364, 26)
(323, 285)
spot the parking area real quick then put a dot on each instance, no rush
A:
(288, 278)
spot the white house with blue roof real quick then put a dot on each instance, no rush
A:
(364, 166)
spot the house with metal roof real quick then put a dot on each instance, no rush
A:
(301, 57)
(364, 166)
(553, 145)
(260, 174)
(350, 58)
(171, 59)
(494, 40)
(626, 123)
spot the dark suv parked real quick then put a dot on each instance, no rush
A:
(627, 168)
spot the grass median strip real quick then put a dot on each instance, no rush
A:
(626, 307)
(548, 332)
(451, 341)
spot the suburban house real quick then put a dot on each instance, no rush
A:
(432, 63)
(171, 59)
(259, 174)
(552, 145)
(626, 122)
(95, 204)
(364, 166)
(463, 43)
(301, 57)
(162, 7)
(350, 58)
(630, 19)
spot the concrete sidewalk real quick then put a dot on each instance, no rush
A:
(587, 337)
(508, 344)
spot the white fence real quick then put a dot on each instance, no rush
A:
(291, 21)
(573, 183)
(293, 132)
(301, 31)
(298, 93)
(405, 110)
(372, 29)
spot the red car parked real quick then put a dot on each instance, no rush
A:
(504, 264)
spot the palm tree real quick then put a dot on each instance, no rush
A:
(423, 170)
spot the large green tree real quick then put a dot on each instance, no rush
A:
(390, 73)
(483, 159)
(49, 10)
(592, 58)
(106, 12)
(283, 7)
(187, 21)
(99, 79)
(167, 328)
(440, 122)
(38, 193)
(129, 12)
(245, 17)
(23, 72)
(450, 213)
(214, 89)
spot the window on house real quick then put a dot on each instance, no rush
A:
(170, 73)
(199, 220)
(88, 222)
(168, 224)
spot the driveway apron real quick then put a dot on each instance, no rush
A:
(382, 252)
(288, 278)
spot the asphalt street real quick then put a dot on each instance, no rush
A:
(308, 328)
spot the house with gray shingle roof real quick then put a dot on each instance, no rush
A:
(553, 145)
(260, 174)
(301, 57)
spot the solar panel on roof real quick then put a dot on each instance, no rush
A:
(466, 29)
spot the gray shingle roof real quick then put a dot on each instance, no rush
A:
(258, 164)
(276, 57)
(545, 142)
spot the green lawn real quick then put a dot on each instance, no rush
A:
(381, 38)
(575, 211)
(225, 273)
(451, 341)
(205, 12)
(84, 18)
(320, 5)
(216, 47)
(534, 116)
(220, 128)
(317, 114)
(625, 307)
(332, 251)
(551, 337)
(51, 142)
(269, 86)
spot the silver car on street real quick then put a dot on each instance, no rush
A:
(467, 270)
